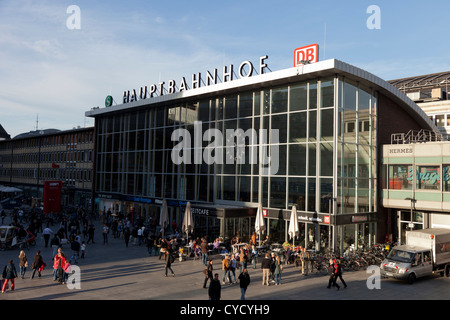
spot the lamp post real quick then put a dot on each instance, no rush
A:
(413, 201)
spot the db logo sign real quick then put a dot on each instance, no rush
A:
(305, 55)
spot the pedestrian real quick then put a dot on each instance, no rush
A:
(9, 274)
(204, 248)
(169, 261)
(38, 264)
(254, 255)
(150, 243)
(277, 270)
(332, 279)
(215, 288)
(244, 281)
(272, 267)
(83, 249)
(23, 263)
(163, 248)
(3, 214)
(58, 266)
(208, 273)
(105, 232)
(233, 267)
(304, 256)
(339, 272)
(55, 244)
(126, 236)
(91, 231)
(226, 268)
(75, 246)
(265, 266)
(47, 232)
(67, 271)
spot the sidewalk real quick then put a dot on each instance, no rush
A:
(114, 272)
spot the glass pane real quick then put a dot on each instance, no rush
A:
(297, 192)
(326, 159)
(428, 177)
(245, 105)
(231, 107)
(327, 93)
(327, 125)
(279, 122)
(297, 159)
(297, 127)
(298, 97)
(349, 96)
(277, 192)
(312, 95)
(279, 100)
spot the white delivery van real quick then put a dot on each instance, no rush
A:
(426, 252)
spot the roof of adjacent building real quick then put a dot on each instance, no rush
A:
(435, 80)
(4, 134)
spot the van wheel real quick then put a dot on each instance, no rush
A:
(411, 278)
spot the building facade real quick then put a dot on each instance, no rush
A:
(321, 126)
(28, 160)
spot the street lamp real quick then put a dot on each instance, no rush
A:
(413, 201)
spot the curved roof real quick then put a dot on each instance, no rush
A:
(36, 133)
(320, 69)
(432, 80)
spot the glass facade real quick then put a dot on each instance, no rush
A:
(310, 144)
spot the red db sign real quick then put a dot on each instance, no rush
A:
(305, 55)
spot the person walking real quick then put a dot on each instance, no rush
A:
(339, 273)
(244, 281)
(91, 231)
(67, 271)
(208, 273)
(23, 263)
(38, 264)
(126, 236)
(226, 268)
(233, 267)
(9, 275)
(332, 280)
(278, 268)
(304, 256)
(214, 291)
(105, 232)
(75, 246)
(254, 255)
(58, 266)
(169, 261)
(204, 248)
(265, 266)
(47, 233)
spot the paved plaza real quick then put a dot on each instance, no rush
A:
(115, 272)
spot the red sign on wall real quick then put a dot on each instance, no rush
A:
(305, 55)
(52, 196)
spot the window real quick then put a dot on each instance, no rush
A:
(428, 177)
(400, 177)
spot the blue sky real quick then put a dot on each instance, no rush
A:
(57, 74)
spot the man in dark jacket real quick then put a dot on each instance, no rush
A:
(244, 281)
(75, 246)
(214, 288)
(266, 264)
